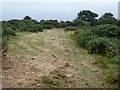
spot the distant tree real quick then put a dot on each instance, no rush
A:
(69, 23)
(88, 15)
(107, 18)
(108, 15)
(27, 17)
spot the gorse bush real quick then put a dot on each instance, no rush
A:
(83, 38)
(106, 30)
(47, 27)
(70, 28)
(30, 25)
(80, 23)
(112, 21)
(8, 32)
(37, 28)
(27, 24)
(102, 39)
(103, 46)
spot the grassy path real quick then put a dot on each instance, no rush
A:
(50, 59)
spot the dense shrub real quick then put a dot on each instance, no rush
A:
(47, 27)
(96, 42)
(84, 38)
(103, 46)
(36, 28)
(106, 30)
(112, 21)
(49, 24)
(27, 24)
(107, 18)
(70, 28)
(76, 32)
(30, 26)
(80, 23)
(8, 31)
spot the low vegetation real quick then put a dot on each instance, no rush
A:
(98, 36)
(102, 39)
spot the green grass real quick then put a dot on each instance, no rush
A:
(22, 44)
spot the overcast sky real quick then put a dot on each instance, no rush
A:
(59, 0)
(61, 10)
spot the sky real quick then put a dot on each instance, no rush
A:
(59, 9)
(59, 0)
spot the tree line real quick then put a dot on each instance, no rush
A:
(85, 19)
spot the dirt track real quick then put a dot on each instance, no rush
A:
(49, 59)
